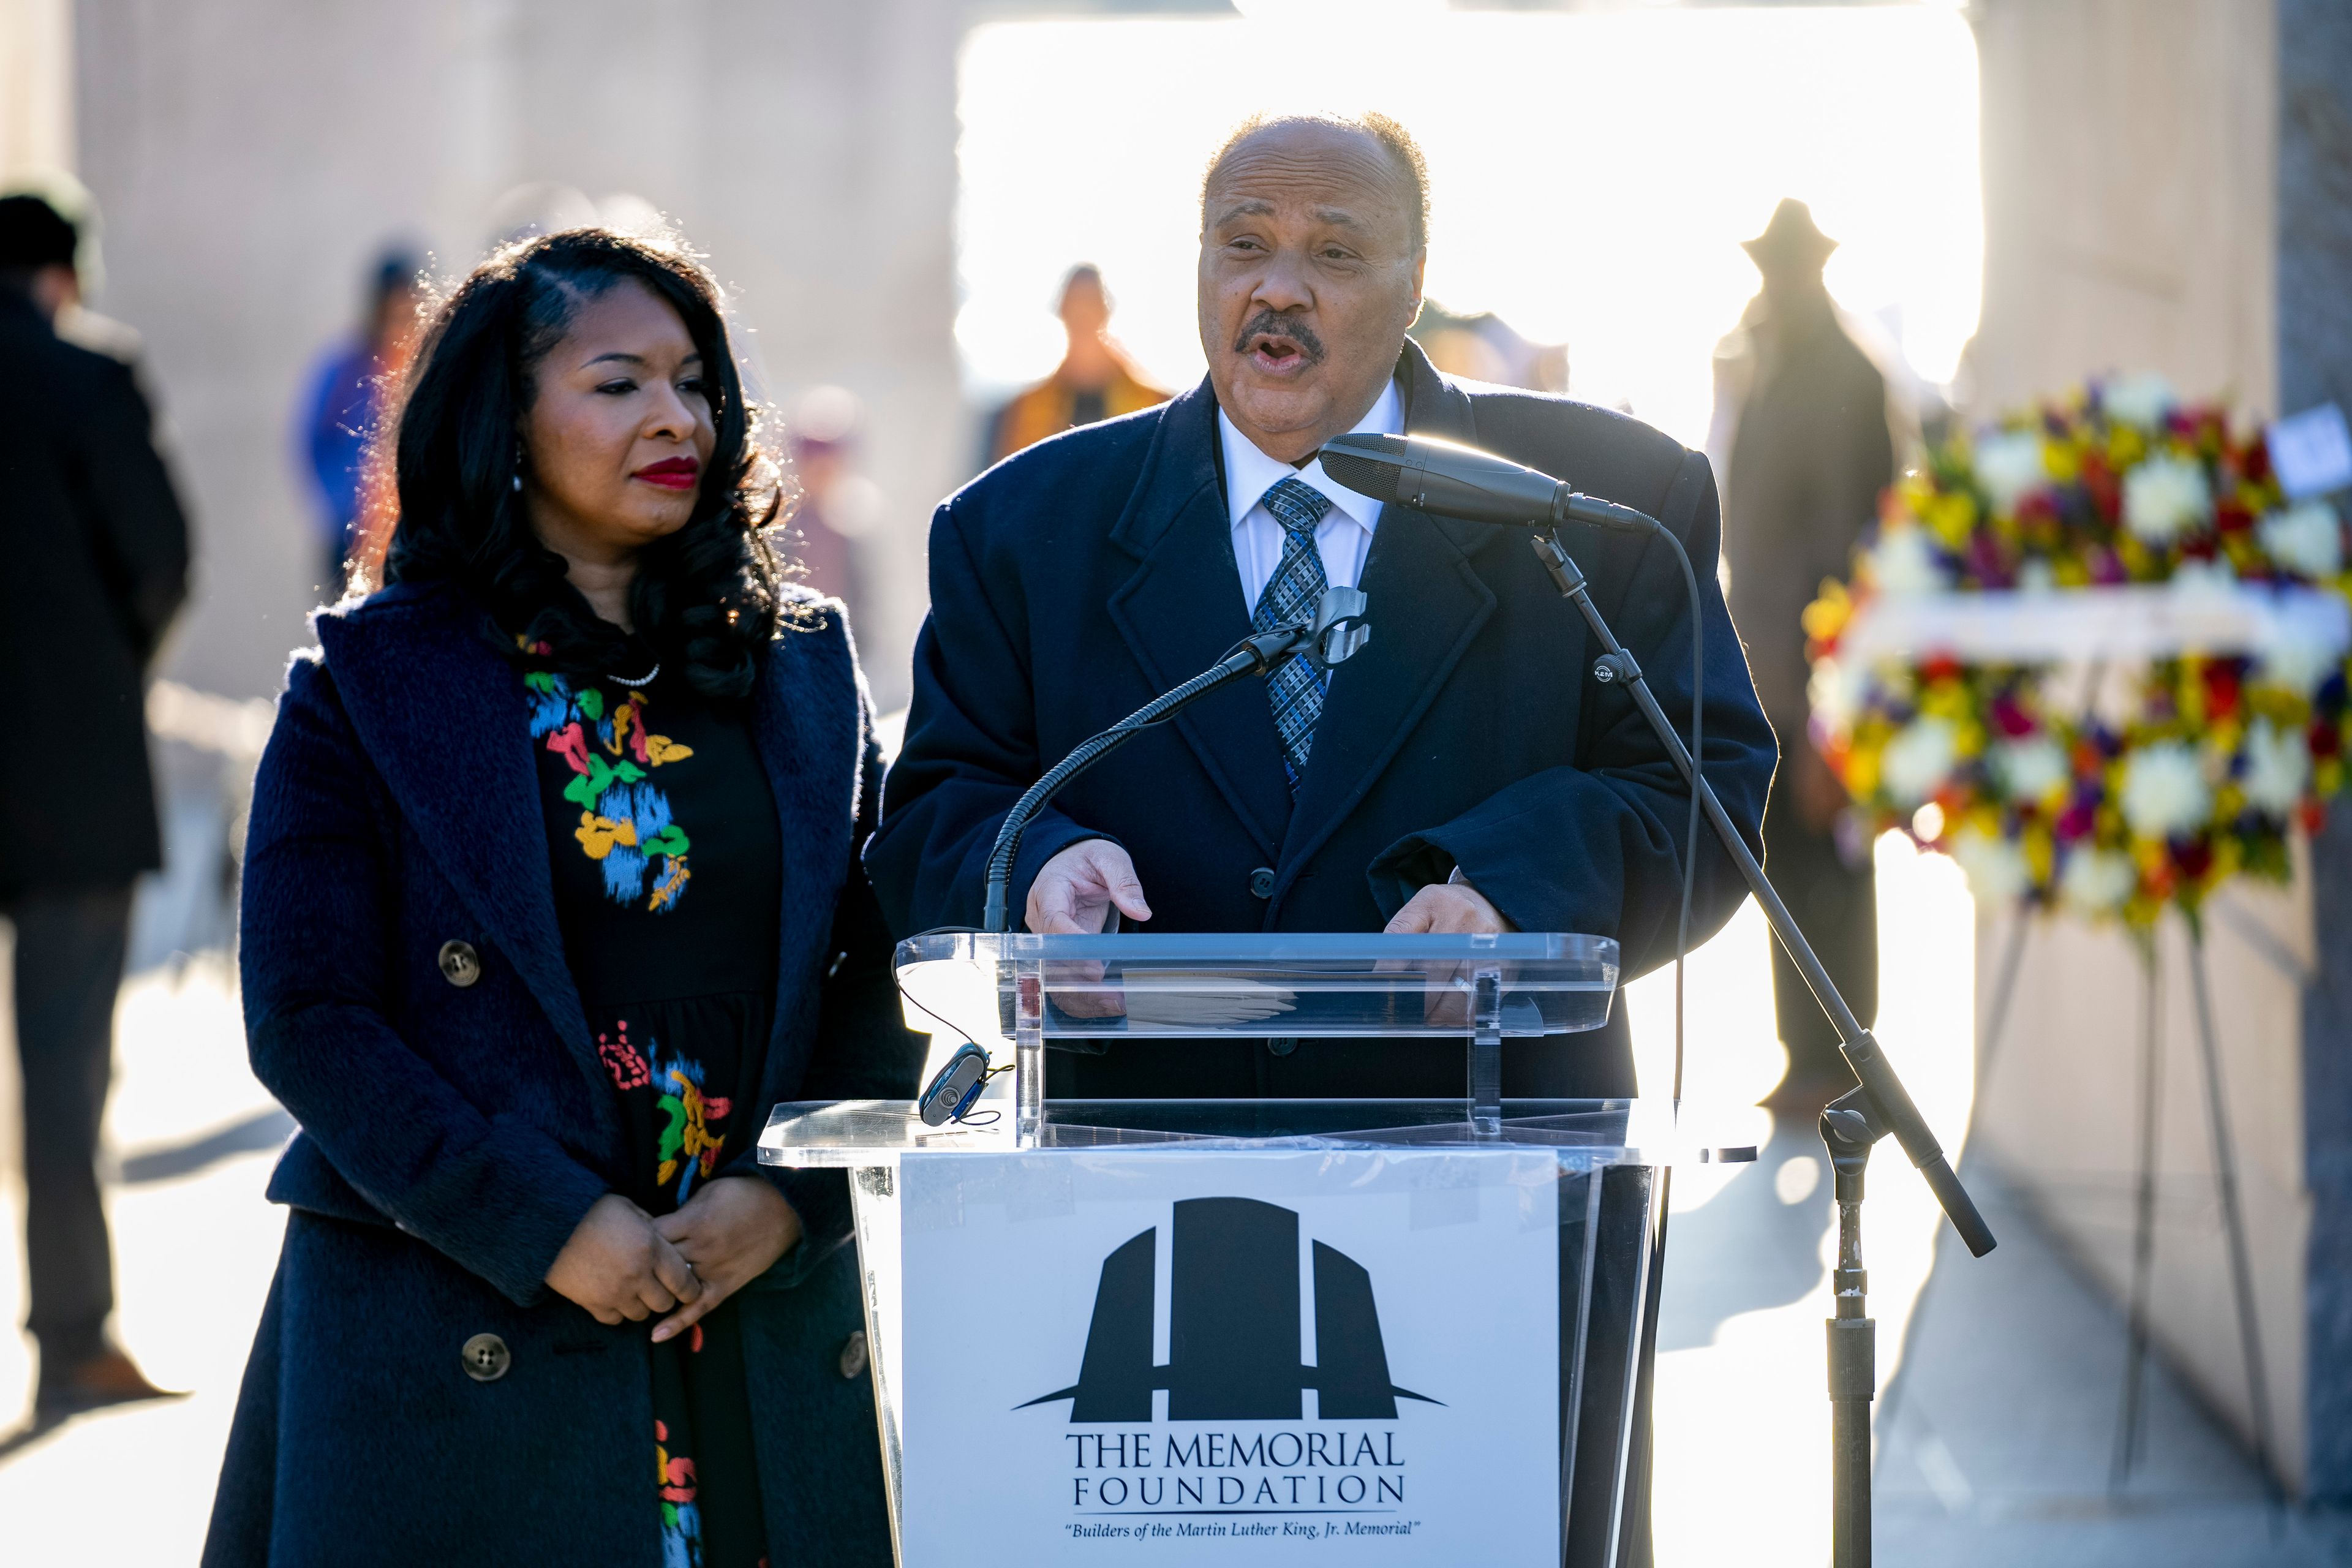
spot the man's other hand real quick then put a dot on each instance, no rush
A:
(1445, 907)
(1448, 907)
(1075, 891)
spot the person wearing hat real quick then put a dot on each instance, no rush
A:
(95, 549)
(1806, 443)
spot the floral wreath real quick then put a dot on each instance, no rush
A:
(2110, 792)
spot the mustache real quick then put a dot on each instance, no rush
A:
(1274, 324)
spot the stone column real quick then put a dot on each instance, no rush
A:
(2314, 366)
(37, 130)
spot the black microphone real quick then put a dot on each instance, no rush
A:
(1449, 479)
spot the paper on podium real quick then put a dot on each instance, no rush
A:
(1172, 1000)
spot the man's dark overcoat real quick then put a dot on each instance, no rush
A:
(1079, 578)
(454, 1135)
(97, 553)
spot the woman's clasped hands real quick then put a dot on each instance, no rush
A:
(622, 1263)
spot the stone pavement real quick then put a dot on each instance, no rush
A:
(1998, 1445)
(1995, 1446)
(194, 1245)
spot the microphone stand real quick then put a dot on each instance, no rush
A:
(1877, 1106)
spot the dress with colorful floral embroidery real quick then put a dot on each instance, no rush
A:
(669, 866)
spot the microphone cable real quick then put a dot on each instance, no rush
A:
(1698, 773)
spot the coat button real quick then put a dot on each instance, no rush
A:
(1261, 882)
(486, 1358)
(460, 964)
(853, 1355)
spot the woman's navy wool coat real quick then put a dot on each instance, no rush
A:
(452, 1135)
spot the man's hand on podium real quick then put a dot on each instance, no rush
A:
(1448, 907)
(1074, 895)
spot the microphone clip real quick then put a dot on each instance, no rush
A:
(1330, 636)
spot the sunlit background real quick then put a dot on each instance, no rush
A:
(1593, 174)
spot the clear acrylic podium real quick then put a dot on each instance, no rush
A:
(1476, 1266)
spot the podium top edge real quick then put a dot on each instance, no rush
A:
(1242, 948)
(1588, 1133)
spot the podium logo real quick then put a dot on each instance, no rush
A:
(1234, 1321)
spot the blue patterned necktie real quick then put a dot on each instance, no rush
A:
(1295, 688)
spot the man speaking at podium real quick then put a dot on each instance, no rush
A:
(1463, 772)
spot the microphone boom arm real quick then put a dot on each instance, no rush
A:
(1887, 1099)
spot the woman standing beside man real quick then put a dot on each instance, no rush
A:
(552, 890)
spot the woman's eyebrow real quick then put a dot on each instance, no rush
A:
(627, 358)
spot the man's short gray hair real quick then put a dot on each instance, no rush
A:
(1403, 154)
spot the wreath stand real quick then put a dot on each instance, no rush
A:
(2131, 1416)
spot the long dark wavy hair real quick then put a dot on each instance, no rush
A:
(707, 597)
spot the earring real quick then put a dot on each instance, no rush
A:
(518, 484)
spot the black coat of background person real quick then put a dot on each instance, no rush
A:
(1076, 580)
(453, 1135)
(97, 553)
(1811, 453)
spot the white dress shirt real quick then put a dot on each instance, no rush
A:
(1342, 538)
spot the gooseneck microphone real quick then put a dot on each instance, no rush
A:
(1448, 479)
(1326, 637)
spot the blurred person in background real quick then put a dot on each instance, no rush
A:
(96, 552)
(1484, 347)
(1094, 381)
(343, 404)
(1804, 418)
(551, 892)
(837, 507)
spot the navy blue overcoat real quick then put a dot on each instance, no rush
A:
(453, 1135)
(1077, 579)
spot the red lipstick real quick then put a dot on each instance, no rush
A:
(671, 473)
